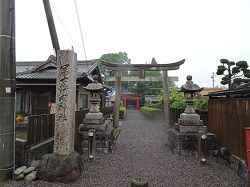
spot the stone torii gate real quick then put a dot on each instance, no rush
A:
(118, 68)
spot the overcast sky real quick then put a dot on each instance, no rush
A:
(200, 31)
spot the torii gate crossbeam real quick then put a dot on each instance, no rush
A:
(142, 68)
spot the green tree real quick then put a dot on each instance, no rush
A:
(201, 103)
(115, 58)
(234, 73)
(176, 98)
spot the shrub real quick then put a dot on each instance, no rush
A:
(149, 111)
(153, 105)
(122, 112)
(176, 99)
(201, 103)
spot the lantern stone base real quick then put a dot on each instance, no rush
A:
(190, 128)
(181, 142)
(103, 136)
(60, 168)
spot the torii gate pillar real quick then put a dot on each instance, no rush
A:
(117, 98)
(166, 98)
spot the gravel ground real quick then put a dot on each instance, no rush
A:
(141, 151)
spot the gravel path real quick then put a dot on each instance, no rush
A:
(141, 151)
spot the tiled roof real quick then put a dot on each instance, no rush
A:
(24, 70)
(25, 66)
(241, 91)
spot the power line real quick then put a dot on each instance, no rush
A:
(65, 28)
(80, 28)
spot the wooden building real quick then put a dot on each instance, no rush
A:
(228, 116)
(36, 85)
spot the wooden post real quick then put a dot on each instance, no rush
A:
(117, 98)
(166, 98)
(137, 103)
(7, 88)
(125, 101)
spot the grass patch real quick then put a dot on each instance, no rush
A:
(149, 111)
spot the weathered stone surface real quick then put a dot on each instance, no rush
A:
(31, 176)
(139, 182)
(190, 117)
(28, 170)
(20, 177)
(190, 128)
(19, 170)
(98, 115)
(34, 163)
(242, 169)
(190, 122)
(65, 102)
(60, 168)
(85, 127)
(178, 141)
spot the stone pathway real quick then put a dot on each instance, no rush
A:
(141, 151)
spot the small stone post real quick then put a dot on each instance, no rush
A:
(202, 146)
(65, 102)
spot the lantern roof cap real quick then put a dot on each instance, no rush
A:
(95, 85)
(190, 87)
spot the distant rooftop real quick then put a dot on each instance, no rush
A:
(241, 92)
(47, 69)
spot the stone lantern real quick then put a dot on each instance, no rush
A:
(190, 121)
(190, 89)
(95, 130)
(94, 119)
(185, 133)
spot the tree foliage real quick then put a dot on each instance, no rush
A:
(234, 73)
(147, 88)
(201, 103)
(115, 58)
(176, 98)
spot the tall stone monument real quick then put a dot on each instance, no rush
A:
(184, 135)
(65, 102)
(64, 165)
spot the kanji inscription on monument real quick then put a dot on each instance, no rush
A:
(65, 102)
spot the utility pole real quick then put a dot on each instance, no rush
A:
(7, 88)
(51, 25)
(212, 77)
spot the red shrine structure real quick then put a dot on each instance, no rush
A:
(132, 98)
